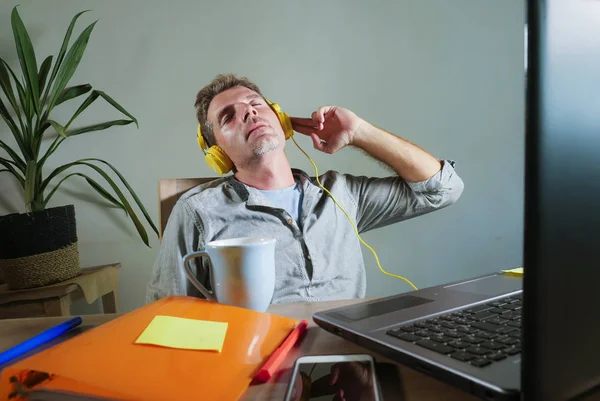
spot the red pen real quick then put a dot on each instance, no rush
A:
(269, 368)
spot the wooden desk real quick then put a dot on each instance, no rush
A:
(56, 299)
(415, 386)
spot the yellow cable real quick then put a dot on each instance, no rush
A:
(350, 219)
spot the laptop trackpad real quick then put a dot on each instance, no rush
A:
(369, 310)
(488, 286)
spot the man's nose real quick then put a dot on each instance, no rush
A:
(248, 111)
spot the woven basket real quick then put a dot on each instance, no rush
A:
(38, 249)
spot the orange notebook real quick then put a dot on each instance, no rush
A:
(106, 361)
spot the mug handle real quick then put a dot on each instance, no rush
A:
(208, 294)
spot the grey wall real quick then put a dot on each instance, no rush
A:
(447, 75)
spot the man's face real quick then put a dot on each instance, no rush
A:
(244, 125)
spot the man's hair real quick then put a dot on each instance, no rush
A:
(221, 83)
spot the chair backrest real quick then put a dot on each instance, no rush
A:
(169, 191)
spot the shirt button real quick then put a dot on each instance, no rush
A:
(290, 222)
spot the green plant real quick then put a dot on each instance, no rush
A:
(39, 92)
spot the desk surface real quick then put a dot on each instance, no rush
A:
(414, 385)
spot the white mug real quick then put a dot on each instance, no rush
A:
(241, 271)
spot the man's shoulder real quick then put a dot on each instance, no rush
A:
(205, 191)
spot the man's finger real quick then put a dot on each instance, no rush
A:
(317, 143)
(325, 111)
(303, 130)
(335, 374)
(338, 397)
(307, 122)
(317, 119)
(321, 111)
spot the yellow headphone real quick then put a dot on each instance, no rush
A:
(218, 160)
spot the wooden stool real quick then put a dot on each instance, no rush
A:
(56, 299)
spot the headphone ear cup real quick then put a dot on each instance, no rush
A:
(286, 123)
(215, 157)
(218, 160)
(284, 119)
(200, 138)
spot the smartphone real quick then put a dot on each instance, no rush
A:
(334, 377)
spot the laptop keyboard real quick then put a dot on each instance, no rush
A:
(479, 335)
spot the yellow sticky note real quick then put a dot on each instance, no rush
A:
(178, 332)
(514, 272)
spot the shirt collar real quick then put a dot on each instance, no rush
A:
(253, 196)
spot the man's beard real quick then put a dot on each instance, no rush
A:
(265, 145)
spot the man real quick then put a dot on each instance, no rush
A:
(318, 255)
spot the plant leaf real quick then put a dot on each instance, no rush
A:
(38, 135)
(63, 50)
(14, 129)
(60, 130)
(130, 189)
(8, 161)
(72, 92)
(4, 113)
(10, 166)
(7, 86)
(51, 149)
(26, 58)
(14, 172)
(8, 91)
(117, 106)
(43, 127)
(29, 107)
(105, 194)
(70, 64)
(129, 210)
(89, 100)
(97, 127)
(20, 89)
(30, 175)
(18, 161)
(44, 70)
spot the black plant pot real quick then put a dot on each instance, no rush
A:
(40, 248)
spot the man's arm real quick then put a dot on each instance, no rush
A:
(387, 200)
(184, 233)
(411, 163)
(332, 128)
(423, 183)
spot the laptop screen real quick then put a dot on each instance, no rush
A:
(562, 222)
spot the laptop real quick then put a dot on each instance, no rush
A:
(535, 337)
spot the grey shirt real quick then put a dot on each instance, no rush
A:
(319, 260)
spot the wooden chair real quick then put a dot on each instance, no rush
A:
(169, 191)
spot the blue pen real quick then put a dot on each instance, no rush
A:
(42, 338)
